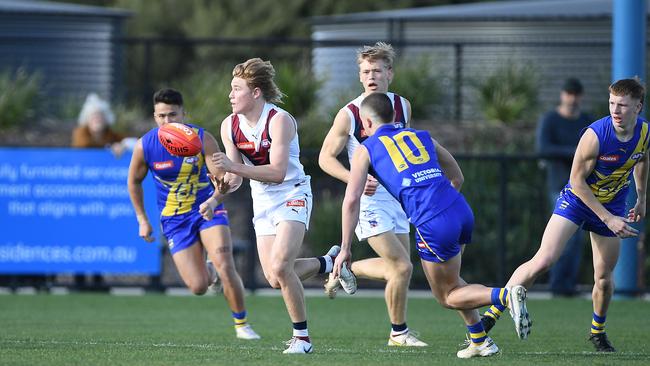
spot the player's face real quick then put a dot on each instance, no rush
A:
(624, 110)
(242, 98)
(168, 113)
(375, 76)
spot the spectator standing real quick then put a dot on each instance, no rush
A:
(558, 133)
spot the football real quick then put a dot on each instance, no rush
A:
(179, 139)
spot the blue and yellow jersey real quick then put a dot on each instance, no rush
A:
(182, 183)
(405, 162)
(610, 178)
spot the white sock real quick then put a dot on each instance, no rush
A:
(301, 333)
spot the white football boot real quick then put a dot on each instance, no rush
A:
(487, 348)
(332, 284)
(246, 332)
(348, 280)
(518, 310)
(297, 346)
(407, 339)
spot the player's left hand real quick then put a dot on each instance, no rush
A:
(343, 257)
(371, 186)
(637, 213)
(221, 161)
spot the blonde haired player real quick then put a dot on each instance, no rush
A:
(261, 143)
(382, 222)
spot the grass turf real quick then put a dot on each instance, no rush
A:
(89, 329)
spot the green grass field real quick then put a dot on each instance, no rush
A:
(171, 330)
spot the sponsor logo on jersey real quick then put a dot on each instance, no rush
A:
(609, 158)
(399, 124)
(191, 160)
(637, 156)
(296, 203)
(246, 145)
(161, 165)
(265, 143)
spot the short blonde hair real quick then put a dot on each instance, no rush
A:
(259, 74)
(380, 51)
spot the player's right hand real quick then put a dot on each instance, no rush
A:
(620, 226)
(206, 210)
(344, 256)
(145, 231)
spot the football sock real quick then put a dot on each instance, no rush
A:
(476, 333)
(598, 324)
(239, 318)
(300, 331)
(398, 329)
(495, 311)
(326, 264)
(500, 296)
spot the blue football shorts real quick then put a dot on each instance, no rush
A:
(440, 238)
(183, 230)
(569, 206)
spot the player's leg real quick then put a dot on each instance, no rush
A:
(446, 285)
(557, 233)
(277, 255)
(218, 244)
(394, 266)
(190, 264)
(605, 255)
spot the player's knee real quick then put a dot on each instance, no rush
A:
(198, 287)
(273, 282)
(604, 283)
(403, 269)
(280, 271)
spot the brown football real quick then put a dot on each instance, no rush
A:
(179, 139)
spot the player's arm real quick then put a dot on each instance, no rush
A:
(637, 213)
(584, 163)
(449, 166)
(333, 145)
(137, 172)
(282, 130)
(350, 208)
(225, 182)
(206, 208)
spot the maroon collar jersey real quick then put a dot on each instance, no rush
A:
(360, 132)
(257, 149)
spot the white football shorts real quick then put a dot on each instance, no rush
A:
(378, 217)
(293, 203)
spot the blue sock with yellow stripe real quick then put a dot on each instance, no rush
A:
(598, 324)
(476, 333)
(495, 311)
(239, 319)
(500, 296)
